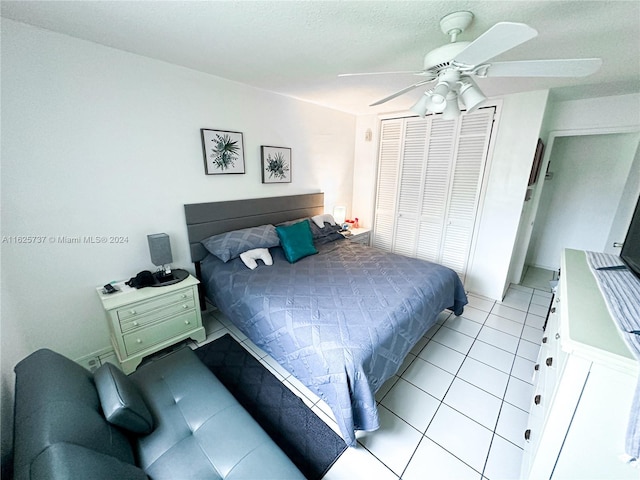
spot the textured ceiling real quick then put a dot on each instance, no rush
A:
(297, 48)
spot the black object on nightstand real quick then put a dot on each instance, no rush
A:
(163, 279)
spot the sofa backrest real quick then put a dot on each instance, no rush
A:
(56, 404)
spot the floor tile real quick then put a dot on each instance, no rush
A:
(508, 312)
(480, 303)
(442, 356)
(504, 325)
(426, 376)
(535, 321)
(485, 377)
(540, 310)
(434, 462)
(475, 314)
(528, 350)
(420, 345)
(393, 443)
(474, 403)
(523, 369)
(466, 439)
(413, 405)
(453, 339)
(386, 387)
(517, 299)
(539, 299)
(521, 288)
(463, 325)
(519, 393)
(512, 423)
(499, 339)
(532, 334)
(492, 356)
(504, 460)
(359, 463)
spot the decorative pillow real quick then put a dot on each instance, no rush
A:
(320, 220)
(231, 244)
(327, 234)
(250, 256)
(122, 403)
(296, 241)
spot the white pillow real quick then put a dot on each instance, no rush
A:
(250, 256)
(320, 219)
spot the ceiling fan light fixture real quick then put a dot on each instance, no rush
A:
(420, 106)
(451, 110)
(471, 95)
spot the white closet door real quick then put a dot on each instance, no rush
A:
(388, 165)
(429, 181)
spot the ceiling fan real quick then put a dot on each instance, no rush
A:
(452, 66)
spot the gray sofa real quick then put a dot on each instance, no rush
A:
(171, 419)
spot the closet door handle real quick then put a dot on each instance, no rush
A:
(549, 361)
(537, 399)
(544, 339)
(536, 367)
(553, 310)
(527, 434)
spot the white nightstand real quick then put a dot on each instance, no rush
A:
(358, 235)
(146, 320)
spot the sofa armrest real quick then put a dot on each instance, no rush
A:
(70, 462)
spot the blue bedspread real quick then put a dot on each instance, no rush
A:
(341, 321)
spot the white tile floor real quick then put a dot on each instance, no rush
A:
(458, 406)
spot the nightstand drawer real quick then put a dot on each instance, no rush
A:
(147, 337)
(138, 309)
(362, 238)
(139, 321)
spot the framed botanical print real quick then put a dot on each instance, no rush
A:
(276, 164)
(223, 151)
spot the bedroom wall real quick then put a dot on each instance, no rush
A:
(100, 142)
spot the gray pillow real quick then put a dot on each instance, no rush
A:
(122, 403)
(231, 244)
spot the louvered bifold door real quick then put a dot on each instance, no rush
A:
(391, 132)
(471, 147)
(410, 188)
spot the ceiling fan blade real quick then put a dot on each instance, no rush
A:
(501, 37)
(400, 92)
(544, 68)
(381, 73)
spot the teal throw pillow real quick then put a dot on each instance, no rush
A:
(296, 240)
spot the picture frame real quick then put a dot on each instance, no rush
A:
(276, 164)
(537, 163)
(223, 152)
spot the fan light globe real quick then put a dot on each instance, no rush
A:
(471, 95)
(420, 106)
(451, 111)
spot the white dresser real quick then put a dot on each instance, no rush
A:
(584, 382)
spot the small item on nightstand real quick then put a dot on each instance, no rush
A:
(356, 223)
(108, 289)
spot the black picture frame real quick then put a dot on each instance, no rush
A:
(223, 152)
(276, 164)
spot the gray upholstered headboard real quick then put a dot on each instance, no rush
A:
(206, 219)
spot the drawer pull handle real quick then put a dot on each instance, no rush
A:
(549, 361)
(544, 339)
(536, 367)
(138, 341)
(557, 336)
(537, 399)
(527, 434)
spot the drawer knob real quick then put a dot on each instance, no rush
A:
(557, 336)
(132, 312)
(185, 306)
(553, 310)
(135, 324)
(536, 367)
(537, 399)
(549, 361)
(184, 295)
(138, 341)
(187, 322)
(544, 339)
(527, 434)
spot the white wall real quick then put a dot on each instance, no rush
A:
(99, 142)
(515, 143)
(578, 204)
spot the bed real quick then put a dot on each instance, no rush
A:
(341, 321)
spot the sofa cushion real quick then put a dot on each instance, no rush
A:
(121, 401)
(200, 427)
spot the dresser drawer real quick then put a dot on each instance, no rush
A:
(140, 321)
(142, 308)
(159, 332)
